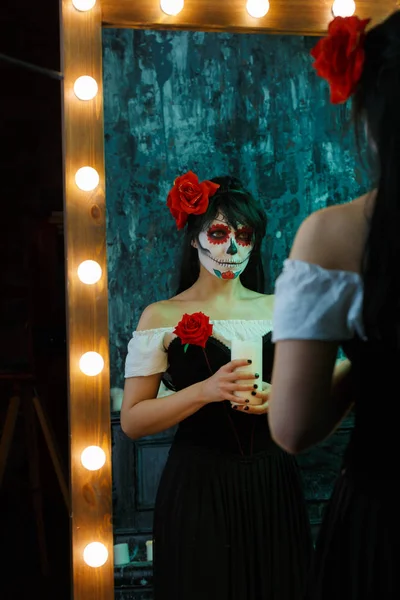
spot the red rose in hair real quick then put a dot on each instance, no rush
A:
(194, 329)
(189, 197)
(339, 57)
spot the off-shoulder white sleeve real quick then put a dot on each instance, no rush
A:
(312, 303)
(146, 353)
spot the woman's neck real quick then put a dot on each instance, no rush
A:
(209, 286)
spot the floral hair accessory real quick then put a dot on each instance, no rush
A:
(339, 57)
(189, 197)
(194, 329)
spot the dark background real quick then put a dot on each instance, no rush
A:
(32, 315)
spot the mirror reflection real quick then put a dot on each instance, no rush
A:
(247, 128)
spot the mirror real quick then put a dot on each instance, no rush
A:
(239, 104)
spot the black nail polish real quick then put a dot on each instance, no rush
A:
(257, 376)
(234, 407)
(254, 393)
(247, 401)
(255, 386)
(246, 408)
(249, 361)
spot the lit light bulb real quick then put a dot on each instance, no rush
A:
(91, 363)
(257, 8)
(87, 179)
(93, 458)
(343, 8)
(95, 554)
(172, 7)
(83, 5)
(85, 87)
(89, 272)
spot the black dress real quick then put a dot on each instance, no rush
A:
(230, 518)
(357, 554)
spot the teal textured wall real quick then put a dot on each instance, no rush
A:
(217, 103)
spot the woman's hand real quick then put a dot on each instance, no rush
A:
(222, 385)
(256, 409)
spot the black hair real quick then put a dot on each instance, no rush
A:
(376, 107)
(239, 208)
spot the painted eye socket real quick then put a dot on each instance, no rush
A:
(218, 234)
(244, 236)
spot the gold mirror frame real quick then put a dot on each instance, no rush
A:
(85, 230)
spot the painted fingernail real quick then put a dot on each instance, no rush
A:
(249, 361)
(254, 393)
(246, 408)
(247, 401)
(255, 386)
(257, 376)
(234, 407)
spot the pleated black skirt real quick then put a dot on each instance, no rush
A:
(230, 527)
(357, 551)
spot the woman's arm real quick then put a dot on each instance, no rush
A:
(310, 399)
(309, 396)
(142, 413)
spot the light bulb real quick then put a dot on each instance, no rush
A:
(91, 363)
(93, 458)
(87, 179)
(172, 7)
(257, 8)
(95, 554)
(85, 87)
(89, 272)
(83, 5)
(343, 8)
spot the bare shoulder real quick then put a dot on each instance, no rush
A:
(268, 305)
(264, 303)
(333, 237)
(156, 315)
(268, 301)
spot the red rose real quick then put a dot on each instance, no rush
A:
(228, 275)
(194, 329)
(339, 57)
(188, 196)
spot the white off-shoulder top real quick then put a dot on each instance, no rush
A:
(147, 354)
(313, 303)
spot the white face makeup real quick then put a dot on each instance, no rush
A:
(224, 251)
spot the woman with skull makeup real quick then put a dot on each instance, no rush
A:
(341, 287)
(230, 519)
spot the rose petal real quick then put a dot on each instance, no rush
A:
(339, 57)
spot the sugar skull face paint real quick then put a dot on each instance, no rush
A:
(224, 251)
